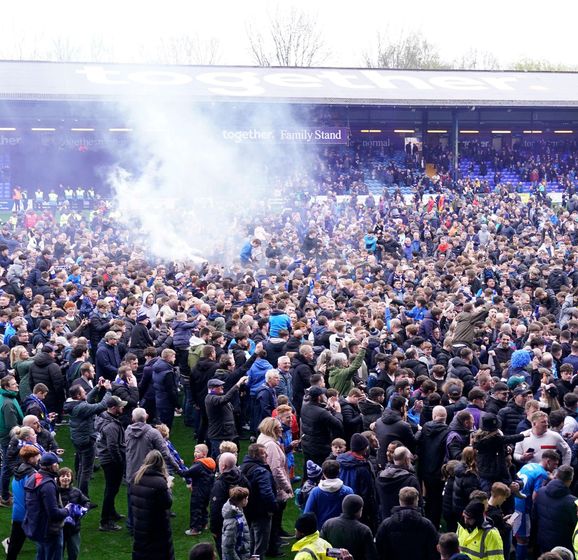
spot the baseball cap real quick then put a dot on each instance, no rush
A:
(116, 401)
(50, 458)
(315, 392)
(522, 389)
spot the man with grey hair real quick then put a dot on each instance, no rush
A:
(230, 476)
(285, 386)
(266, 397)
(431, 444)
(140, 438)
(395, 477)
(341, 372)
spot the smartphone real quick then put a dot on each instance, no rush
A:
(333, 552)
(530, 450)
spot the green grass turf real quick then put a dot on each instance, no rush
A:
(118, 546)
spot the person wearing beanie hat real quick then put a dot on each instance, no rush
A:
(313, 474)
(326, 498)
(346, 531)
(356, 472)
(477, 537)
(309, 543)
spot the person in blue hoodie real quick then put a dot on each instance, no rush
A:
(326, 498)
(370, 241)
(30, 456)
(278, 320)
(256, 378)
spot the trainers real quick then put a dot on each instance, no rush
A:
(109, 527)
(117, 517)
(192, 533)
(5, 544)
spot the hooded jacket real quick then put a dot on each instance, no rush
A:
(391, 427)
(140, 438)
(165, 385)
(107, 360)
(220, 494)
(256, 375)
(45, 370)
(44, 515)
(82, 414)
(555, 513)
(460, 369)
(301, 370)
(21, 475)
(10, 414)
(431, 449)
(236, 541)
(318, 427)
(326, 498)
(465, 482)
(371, 412)
(389, 482)
(407, 535)
(278, 320)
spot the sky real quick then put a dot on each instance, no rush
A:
(510, 29)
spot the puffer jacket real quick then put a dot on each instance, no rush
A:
(318, 427)
(391, 427)
(263, 493)
(236, 540)
(510, 416)
(45, 370)
(44, 515)
(460, 369)
(465, 482)
(278, 464)
(165, 385)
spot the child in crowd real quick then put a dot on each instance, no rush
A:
(236, 539)
(338, 446)
(202, 477)
(313, 472)
(500, 493)
(165, 432)
(228, 447)
(77, 504)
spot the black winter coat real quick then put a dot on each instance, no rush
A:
(555, 514)
(165, 385)
(352, 420)
(510, 416)
(220, 413)
(348, 532)
(493, 406)
(431, 449)
(370, 411)
(318, 428)
(44, 370)
(407, 535)
(465, 482)
(460, 369)
(391, 427)
(200, 375)
(262, 488)
(389, 482)
(301, 370)
(151, 502)
(128, 394)
(220, 494)
(491, 458)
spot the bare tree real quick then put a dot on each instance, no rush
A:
(100, 49)
(409, 51)
(540, 65)
(474, 59)
(188, 49)
(293, 39)
(63, 49)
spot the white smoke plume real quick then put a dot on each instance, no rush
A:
(186, 192)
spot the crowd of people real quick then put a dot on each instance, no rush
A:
(405, 372)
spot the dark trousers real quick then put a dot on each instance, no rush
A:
(260, 530)
(71, 544)
(276, 527)
(433, 500)
(50, 549)
(84, 463)
(17, 538)
(5, 474)
(166, 416)
(198, 507)
(113, 473)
